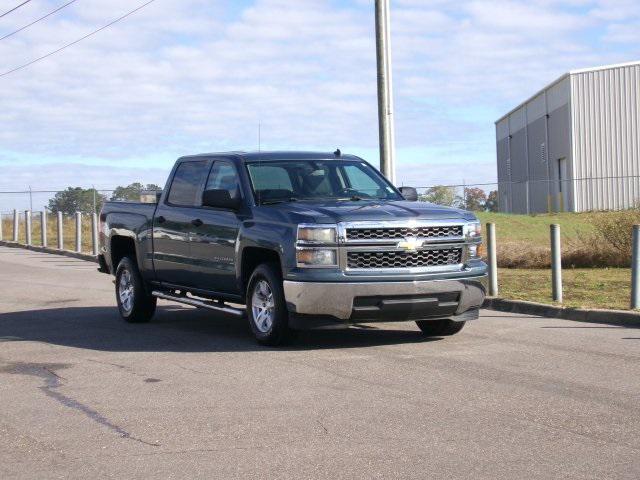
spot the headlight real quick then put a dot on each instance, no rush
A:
(317, 234)
(316, 257)
(473, 231)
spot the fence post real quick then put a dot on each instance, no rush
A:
(556, 264)
(94, 233)
(60, 232)
(16, 225)
(78, 232)
(27, 226)
(635, 268)
(493, 260)
(43, 227)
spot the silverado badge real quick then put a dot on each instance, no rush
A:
(410, 244)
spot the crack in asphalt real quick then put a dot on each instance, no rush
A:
(52, 381)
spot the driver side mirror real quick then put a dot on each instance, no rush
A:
(219, 198)
(409, 193)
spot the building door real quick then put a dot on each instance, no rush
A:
(563, 185)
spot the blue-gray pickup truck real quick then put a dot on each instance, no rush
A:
(294, 240)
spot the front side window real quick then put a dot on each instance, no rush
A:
(223, 177)
(318, 180)
(187, 182)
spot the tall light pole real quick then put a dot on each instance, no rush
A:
(385, 91)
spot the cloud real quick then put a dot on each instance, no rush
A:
(186, 76)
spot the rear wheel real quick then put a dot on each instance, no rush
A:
(439, 328)
(134, 303)
(266, 306)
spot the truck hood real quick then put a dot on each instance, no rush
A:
(363, 210)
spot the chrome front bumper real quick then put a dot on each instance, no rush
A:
(337, 299)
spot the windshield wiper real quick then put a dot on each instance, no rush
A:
(274, 201)
(353, 198)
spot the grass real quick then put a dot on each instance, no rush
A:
(523, 240)
(535, 228)
(608, 288)
(68, 232)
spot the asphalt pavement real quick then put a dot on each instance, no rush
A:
(190, 395)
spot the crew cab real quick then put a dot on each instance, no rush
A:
(294, 240)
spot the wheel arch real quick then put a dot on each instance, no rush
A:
(251, 258)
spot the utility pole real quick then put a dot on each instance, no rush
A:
(385, 91)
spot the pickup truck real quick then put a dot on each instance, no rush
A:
(294, 240)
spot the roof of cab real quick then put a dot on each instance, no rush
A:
(277, 155)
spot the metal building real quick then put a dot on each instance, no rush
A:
(573, 146)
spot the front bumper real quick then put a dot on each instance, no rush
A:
(395, 300)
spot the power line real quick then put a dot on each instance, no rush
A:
(36, 21)
(76, 41)
(14, 8)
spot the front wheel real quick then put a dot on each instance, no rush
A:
(439, 328)
(134, 303)
(266, 306)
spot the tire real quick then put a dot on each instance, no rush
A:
(266, 307)
(439, 328)
(134, 302)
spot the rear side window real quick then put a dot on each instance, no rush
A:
(187, 183)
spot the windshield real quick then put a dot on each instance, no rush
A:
(291, 180)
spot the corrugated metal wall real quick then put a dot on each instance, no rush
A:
(529, 142)
(605, 116)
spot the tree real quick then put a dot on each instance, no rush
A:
(76, 199)
(440, 195)
(132, 191)
(474, 199)
(491, 204)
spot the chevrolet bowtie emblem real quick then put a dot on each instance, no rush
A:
(410, 243)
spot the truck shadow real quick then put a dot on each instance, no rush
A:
(174, 329)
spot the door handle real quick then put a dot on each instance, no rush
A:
(161, 219)
(197, 222)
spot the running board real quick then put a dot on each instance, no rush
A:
(198, 303)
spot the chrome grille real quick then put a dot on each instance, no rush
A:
(384, 233)
(399, 259)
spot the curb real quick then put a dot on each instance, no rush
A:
(54, 251)
(612, 317)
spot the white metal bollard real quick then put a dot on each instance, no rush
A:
(27, 226)
(16, 225)
(556, 264)
(94, 233)
(60, 232)
(43, 228)
(493, 259)
(78, 232)
(635, 268)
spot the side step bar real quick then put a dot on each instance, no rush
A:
(199, 303)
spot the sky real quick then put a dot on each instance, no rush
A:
(191, 76)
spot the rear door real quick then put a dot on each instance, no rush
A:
(213, 241)
(172, 224)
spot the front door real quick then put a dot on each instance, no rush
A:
(213, 242)
(172, 225)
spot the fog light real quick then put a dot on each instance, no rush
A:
(316, 257)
